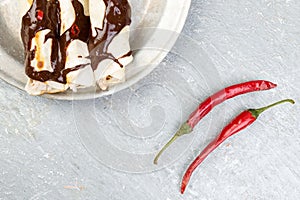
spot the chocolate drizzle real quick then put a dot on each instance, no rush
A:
(79, 30)
(118, 15)
(45, 15)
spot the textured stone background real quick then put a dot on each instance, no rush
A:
(41, 154)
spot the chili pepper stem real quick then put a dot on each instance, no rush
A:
(164, 148)
(184, 129)
(257, 112)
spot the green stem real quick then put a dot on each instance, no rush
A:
(164, 148)
(257, 112)
(184, 129)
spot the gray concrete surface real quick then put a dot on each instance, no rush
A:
(45, 153)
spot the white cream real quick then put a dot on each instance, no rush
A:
(34, 87)
(119, 46)
(24, 6)
(85, 4)
(108, 68)
(77, 54)
(81, 78)
(42, 59)
(97, 10)
(67, 15)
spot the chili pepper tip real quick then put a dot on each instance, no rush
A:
(182, 189)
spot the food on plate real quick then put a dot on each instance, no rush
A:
(108, 43)
(75, 44)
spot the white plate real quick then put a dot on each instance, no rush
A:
(167, 15)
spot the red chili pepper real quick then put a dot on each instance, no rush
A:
(40, 15)
(207, 105)
(240, 122)
(75, 30)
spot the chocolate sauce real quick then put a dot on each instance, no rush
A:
(45, 14)
(31, 25)
(79, 30)
(118, 15)
(129, 53)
